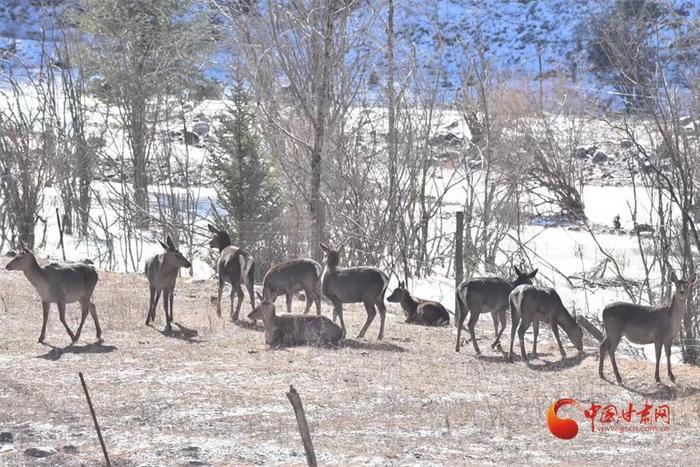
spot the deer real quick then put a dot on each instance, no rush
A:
(531, 305)
(291, 330)
(162, 271)
(60, 283)
(658, 325)
(486, 295)
(423, 312)
(292, 276)
(362, 284)
(234, 266)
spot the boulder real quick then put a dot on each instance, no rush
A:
(599, 157)
(39, 451)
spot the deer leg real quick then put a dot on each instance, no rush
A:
(382, 319)
(495, 316)
(288, 296)
(612, 346)
(151, 297)
(338, 311)
(514, 320)
(657, 351)
(667, 347)
(250, 286)
(470, 326)
(93, 313)
(170, 311)
(239, 294)
(45, 306)
(156, 299)
(218, 296)
(371, 313)
(535, 334)
(84, 306)
(166, 303)
(555, 331)
(309, 298)
(601, 357)
(524, 324)
(317, 301)
(460, 326)
(62, 317)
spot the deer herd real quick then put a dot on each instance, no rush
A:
(63, 283)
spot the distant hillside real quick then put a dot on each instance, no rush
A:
(520, 37)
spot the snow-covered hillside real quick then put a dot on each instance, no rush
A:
(519, 36)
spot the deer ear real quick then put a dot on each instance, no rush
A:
(402, 285)
(170, 243)
(691, 279)
(533, 273)
(673, 277)
(341, 249)
(212, 229)
(517, 271)
(165, 247)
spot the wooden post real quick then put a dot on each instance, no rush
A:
(459, 258)
(295, 400)
(60, 232)
(94, 419)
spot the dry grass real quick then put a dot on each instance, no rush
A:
(217, 395)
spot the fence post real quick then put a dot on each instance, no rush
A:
(459, 258)
(295, 400)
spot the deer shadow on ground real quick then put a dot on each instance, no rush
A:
(558, 365)
(503, 358)
(95, 348)
(249, 325)
(371, 345)
(659, 391)
(182, 333)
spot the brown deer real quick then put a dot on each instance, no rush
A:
(236, 267)
(362, 284)
(486, 295)
(290, 330)
(658, 325)
(530, 305)
(424, 312)
(292, 276)
(60, 283)
(162, 271)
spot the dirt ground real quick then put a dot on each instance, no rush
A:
(213, 394)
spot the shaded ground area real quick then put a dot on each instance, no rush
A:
(213, 393)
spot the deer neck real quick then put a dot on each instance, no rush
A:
(34, 273)
(568, 322)
(409, 304)
(678, 308)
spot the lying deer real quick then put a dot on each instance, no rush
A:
(235, 266)
(645, 325)
(424, 312)
(290, 330)
(292, 276)
(486, 295)
(60, 283)
(530, 305)
(362, 284)
(162, 271)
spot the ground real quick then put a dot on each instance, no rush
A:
(213, 393)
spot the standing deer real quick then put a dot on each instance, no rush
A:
(289, 330)
(530, 304)
(162, 271)
(645, 325)
(235, 266)
(424, 312)
(291, 276)
(486, 295)
(60, 283)
(362, 284)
